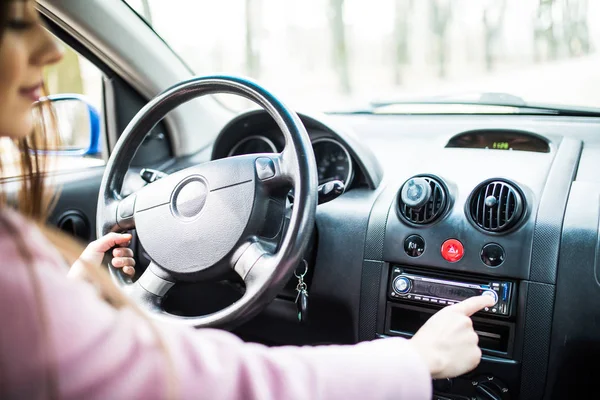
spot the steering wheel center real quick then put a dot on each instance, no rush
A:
(189, 198)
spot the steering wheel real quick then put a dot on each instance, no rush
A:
(200, 223)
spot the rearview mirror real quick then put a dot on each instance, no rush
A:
(78, 124)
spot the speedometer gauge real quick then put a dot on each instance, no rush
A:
(333, 161)
(252, 145)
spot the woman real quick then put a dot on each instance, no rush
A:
(64, 338)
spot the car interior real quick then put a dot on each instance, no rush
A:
(379, 216)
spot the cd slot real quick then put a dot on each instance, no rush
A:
(495, 337)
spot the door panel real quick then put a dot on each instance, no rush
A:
(78, 197)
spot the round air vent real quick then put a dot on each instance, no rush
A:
(76, 224)
(496, 206)
(422, 199)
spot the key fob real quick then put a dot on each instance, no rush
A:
(302, 305)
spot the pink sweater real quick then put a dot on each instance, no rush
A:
(103, 353)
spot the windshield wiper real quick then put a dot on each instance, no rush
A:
(484, 103)
(470, 98)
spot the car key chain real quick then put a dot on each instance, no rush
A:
(302, 297)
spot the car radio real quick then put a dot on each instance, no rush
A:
(424, 289)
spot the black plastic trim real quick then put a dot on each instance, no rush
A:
(373, 267)
(551, 209)
(575, 349)
(536, 341)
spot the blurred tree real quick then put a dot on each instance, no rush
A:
(545, 32)
(340, 47)
(493, 21)
(253, 22)
(575, 25)
(402, 14)
(441, 14)
(65, 77)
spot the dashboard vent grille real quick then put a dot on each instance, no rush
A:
(496, 206)
(431, 210)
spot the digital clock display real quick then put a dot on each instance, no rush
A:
(501, 145)
(498, 139)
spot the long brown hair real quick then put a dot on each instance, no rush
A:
(35, 200)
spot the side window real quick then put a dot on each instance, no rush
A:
(75, 87)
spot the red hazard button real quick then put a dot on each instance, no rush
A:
(452, 250)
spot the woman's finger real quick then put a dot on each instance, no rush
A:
(119, 262)
(122, 252)
(110, 240)
(124, 244)
(129, 271)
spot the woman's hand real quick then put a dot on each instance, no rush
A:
(447, 341)
(94, 253)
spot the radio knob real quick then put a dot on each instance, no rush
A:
(491, 294)
(401, 285)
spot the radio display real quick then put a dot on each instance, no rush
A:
(457, 293)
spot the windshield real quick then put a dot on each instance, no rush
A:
(333, 54)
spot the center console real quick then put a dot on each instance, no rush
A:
(442, 245)
(413, 295)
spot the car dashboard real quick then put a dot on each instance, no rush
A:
(436, 209)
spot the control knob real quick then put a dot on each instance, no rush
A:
(492, 294)
(490, 388)
(401, 285)
(415, 193)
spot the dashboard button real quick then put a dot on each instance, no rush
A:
(265, 168)
(452, 250)
(492, 255)
(414, 245)
(401, 285)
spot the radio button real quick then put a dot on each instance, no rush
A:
(434, 300)
(452, 250)
(417, 297)
(401, 285)
(491, 294)
(492, 255)
(414, 245)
